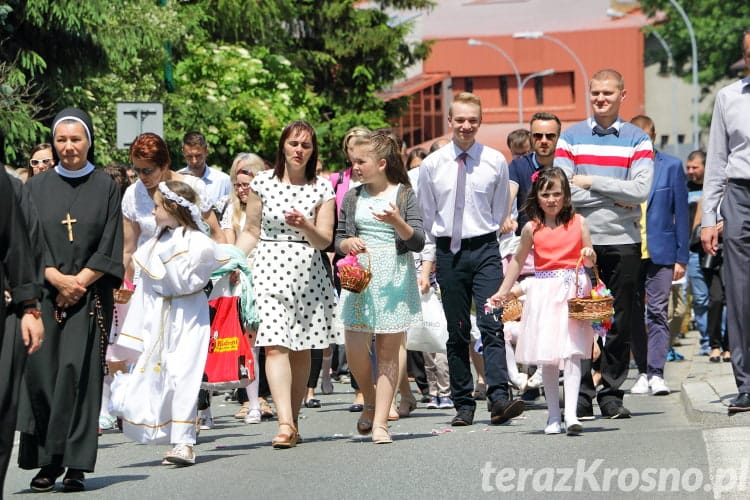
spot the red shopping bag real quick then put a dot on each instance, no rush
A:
(230, 362)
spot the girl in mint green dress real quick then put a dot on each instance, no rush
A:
(379, 221)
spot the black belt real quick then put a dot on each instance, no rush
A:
(444, 242)
(740, 182)
(285, 241)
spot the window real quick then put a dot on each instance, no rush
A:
(469, 84)
(572, 76)
(539, 89)
(503, 90)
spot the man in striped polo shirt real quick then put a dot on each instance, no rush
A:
(610, 164)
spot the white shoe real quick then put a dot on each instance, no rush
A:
(206, 423)
(535, 381)
(520, 381)
(641, 385)
(553, 428)
(253, 416)
(181, 455)
(658, 387)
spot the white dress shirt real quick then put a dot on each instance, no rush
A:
(218, 184)
(487, 192)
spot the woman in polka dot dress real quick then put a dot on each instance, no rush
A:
(379, 217)
(290, 216)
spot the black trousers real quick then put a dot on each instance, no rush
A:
(716, 303)
(475, 272)
(619, 267)
(316, 362)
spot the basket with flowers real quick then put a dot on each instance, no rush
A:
(597, 307)
(353, 276)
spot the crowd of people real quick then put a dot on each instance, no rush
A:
(458, 219)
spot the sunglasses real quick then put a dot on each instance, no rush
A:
(46, 161)
(242, 185)
(549, 136)
(144, 171)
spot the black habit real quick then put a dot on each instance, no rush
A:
(62, 388)
(20, 276)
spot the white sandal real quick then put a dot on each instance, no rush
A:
(181, 455)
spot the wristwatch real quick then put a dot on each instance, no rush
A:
(34, 309)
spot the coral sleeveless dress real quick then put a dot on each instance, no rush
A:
(549, 336)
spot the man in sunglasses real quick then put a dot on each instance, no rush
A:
(545, 129)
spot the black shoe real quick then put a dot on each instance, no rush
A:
(503, 410)
(740, 403)
(584, 411)
(73, 481)
(614, 409)
(45, 479)
(312, 403)
(356, 408)
(531, 395)
(464, 417)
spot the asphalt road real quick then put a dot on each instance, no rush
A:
(657, 453)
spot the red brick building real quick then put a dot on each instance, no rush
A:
(574, 33)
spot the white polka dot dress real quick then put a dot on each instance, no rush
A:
(294, 295)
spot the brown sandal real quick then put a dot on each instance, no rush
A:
(284, 440)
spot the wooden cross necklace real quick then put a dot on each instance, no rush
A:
(67, 220)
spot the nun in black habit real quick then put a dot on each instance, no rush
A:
(21, 329)
(79, 212)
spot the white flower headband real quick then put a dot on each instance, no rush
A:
(172, 196)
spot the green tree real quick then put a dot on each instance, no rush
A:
(718, 25)
(347, 52)
(239, 98)
(241, 71)
(89, 54)
(19, 103)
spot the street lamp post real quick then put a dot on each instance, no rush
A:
(694, 64)
(474, 42)
(670, 63)
(544, 72)
(535, 35)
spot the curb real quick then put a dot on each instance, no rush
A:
(705, 407)
(707, 390)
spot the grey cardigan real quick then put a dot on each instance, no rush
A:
(406, 201)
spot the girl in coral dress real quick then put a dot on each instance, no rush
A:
(558, 237)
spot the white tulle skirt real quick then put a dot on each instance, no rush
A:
(547, 335)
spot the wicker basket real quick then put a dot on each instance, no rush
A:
(355, 278)
(512, 310)
(587, 308)
(122, 295)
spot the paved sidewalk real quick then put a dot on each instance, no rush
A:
(708, 388)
